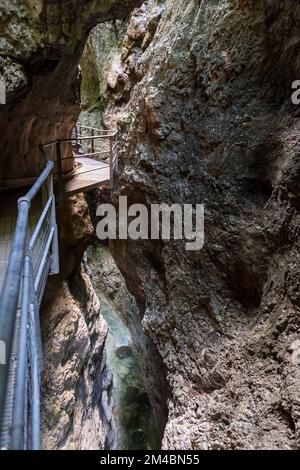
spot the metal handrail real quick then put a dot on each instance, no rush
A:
(31, 260)
(78, 139)
(112, 160)
(19, 326)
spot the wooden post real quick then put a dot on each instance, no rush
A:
(59, 170)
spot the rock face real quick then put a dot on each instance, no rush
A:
(73, 336)
(40, 47)
(201, 93)
(102, 48)
(203, 104)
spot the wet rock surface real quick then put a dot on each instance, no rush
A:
(108, 281)
(131, 419)
(123, 351)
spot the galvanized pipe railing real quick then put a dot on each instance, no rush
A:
(28, 267)
(111, 137)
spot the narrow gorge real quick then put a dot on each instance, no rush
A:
(148, 345)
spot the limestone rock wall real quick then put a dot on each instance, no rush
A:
(74, 336)
(201, 96)
(99, 62)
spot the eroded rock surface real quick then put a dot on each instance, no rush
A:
(203, 104)
(201, 94)
(73, 337)
(40, 47)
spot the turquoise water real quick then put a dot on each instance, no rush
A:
(132, 407)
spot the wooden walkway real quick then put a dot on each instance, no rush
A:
(8, 217)
(89, 174)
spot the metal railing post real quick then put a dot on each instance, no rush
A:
(55, 247)
(35, 383)
(93, 142)
(18, 420)
(111, 162)
(59, 170)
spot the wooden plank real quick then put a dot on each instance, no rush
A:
(7, 227)
(89, 174)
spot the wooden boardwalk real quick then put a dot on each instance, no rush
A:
(7, 227)
(88, 174)
(96, 160)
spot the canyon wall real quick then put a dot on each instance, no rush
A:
(100, 59)
(107, 279)
(203, 105)
(40, 46)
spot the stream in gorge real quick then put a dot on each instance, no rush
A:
(131, 406)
